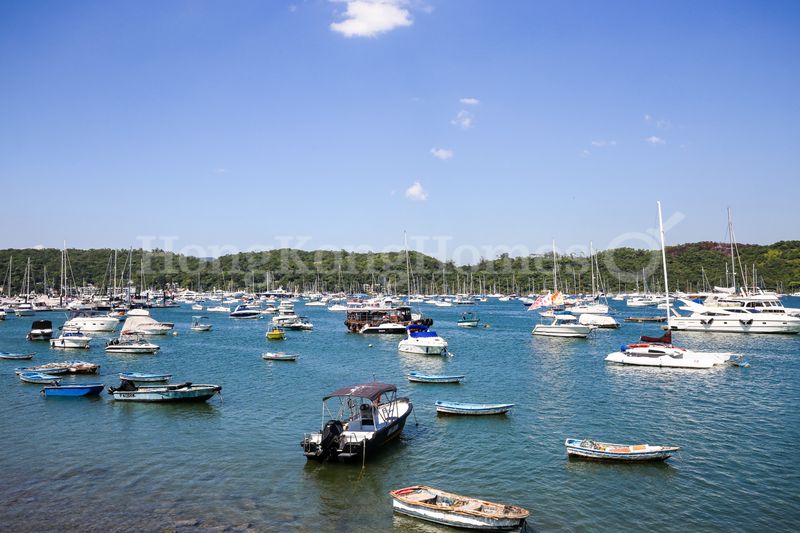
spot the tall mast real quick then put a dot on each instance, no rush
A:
(664, 261)
(555, 279)
(408, 266)
(591, 260)
(733, 257)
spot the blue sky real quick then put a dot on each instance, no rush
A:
(233, 125)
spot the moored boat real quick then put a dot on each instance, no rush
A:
(461, 408)
(455, 510)
(423, 341)
(39, 378)
(419, 377)
(64, 367)
(276, 334)
(138, 377)
(78, 389)
(604, 451)
(199, 325)
(360, 419)
(41, 330)
(469, 320)
(563, 325)
(184, 392)
(16, 356)
(71, 339)
(131, 346)
(278, 356)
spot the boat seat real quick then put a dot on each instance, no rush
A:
(421, 497)
(471, 505)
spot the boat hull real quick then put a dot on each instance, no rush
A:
(457, 520)
(454, 408)
(647, 453)
(90, 389)
(721, 324)
(67, 342)
(195, 393)
(432, 378)
(575, 331)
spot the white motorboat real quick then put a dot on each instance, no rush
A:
(41, 330)
(199, 325)
(286, 314)
(139, 322)
(732, 320)
(302, 323)
(563, 325)
(197, 307)
(88, 320)
(338, 308)
(588, 308)
(246, 311)
(598, 321)
(24, 309)
(360, 419)
(71, 339)
(666, 355)
(131, 346)
(422, 340)
(219, 309)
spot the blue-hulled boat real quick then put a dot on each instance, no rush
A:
(604, 451)
(78, 389)
(16, 356)
(140, 377)
(419, 377)
(39, 378)
(459, 408)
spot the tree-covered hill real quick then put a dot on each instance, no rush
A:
(693, 266)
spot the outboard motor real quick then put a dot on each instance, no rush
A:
(330, 437)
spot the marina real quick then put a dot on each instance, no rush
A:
(529, 439)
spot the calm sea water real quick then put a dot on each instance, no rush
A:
(236, 464)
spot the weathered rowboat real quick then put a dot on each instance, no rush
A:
(604, 451)
(455, 510)
(78, 389)
(185, 392)
(419, 377)
(459, 408)
(16, 356)
(39, 378)
(145, 378)
(278, 356)
(64, 367)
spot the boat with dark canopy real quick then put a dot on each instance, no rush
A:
(356, 421)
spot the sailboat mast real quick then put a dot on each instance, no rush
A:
(664, 261)
(555, 280)
(408, 265)
(733, 257)
(591, 261)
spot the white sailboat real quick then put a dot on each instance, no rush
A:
(660, 352)
(562, 325)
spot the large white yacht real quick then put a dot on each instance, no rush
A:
(734, 318)
(88, 320)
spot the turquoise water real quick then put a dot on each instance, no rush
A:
(236, 463)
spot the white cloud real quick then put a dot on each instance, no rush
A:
(604, 142)
(470, 101)
(416, 192)
(220, 171)
(463, 120)
(368, 18)
(648, 118)
(663, 124)
(655, 140)
(442, 153)
(38, 247)
(585, 153)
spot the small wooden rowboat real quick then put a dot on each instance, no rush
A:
(458, 408)
(82, 389)
(419, 377)
(64, 367)
(604, 451)
(139, 377)
(16, 356)
(455, 510)
(278, 356)
(39, 378)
